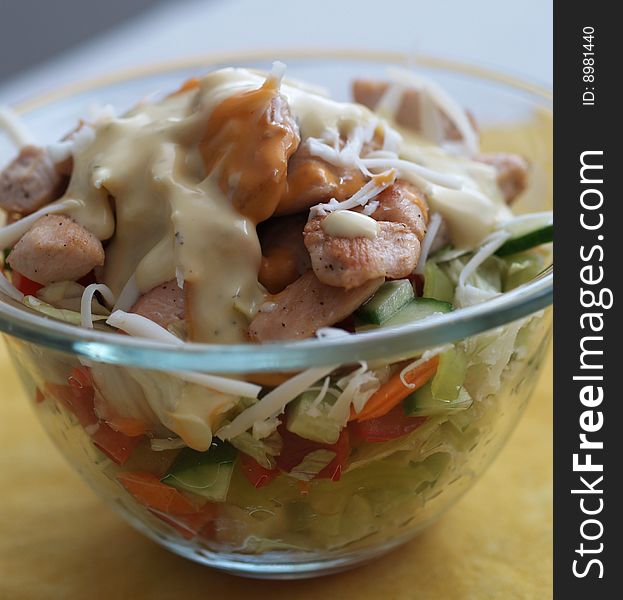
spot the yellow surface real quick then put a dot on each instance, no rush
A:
(57, 540)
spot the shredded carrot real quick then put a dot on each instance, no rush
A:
(148, 490)
(395, 391)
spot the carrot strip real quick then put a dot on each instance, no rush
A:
(395, 391)
(151, 492)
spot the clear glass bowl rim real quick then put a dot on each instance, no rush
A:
(243, 358)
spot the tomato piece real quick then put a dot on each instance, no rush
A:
(151, 492)
(257, 475)
(114, 444)
(28, 287)
(201, 523)
(333, 470)
(391, 425)
(296, 448)
(39, 397)
(78, 398)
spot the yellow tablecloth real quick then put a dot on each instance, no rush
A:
(57, 540)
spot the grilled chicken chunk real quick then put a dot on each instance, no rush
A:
(512, 172)
(163, 304)
(312, 180)
(349, 262)
(30, 181)
(284, 256)
(56, 248)
(369, 93)
(305, 306)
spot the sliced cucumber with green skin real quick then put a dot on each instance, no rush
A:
(206, 474)
(423, 403)
(521, 268)
(437, 284)
(444, 392)
(450, 374)
(312, 423)
(387, 301)
(417, 309)
(534, 238)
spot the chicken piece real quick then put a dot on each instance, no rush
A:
(30, 181)
(349, 262)
(249, 138)
(312, 180)
(163, 304)
(512, 172)
(56, 248)
(369, 93)
(284, 256)
(305, 306)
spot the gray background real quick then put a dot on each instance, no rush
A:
(33, 30)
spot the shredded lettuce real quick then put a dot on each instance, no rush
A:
(61, 314)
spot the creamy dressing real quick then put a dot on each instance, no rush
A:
(177, 188)
(349, 224)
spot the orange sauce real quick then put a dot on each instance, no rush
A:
(249, 138)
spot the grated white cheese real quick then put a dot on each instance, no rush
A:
(86, 302)
(411, 171)
(357, 388)
(15, 128)
(369, 191)
(139, 326)
(444, 102)
(274, 402)
(60, 151)
(467, 294)
(128, 296)
(420, 361)
(431, 233)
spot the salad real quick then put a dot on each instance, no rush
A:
(246, 207)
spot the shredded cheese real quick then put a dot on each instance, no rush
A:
(431, 233)
(370, 190)
(444, 102)
(410, 170)
(357, 388)
(139, 326)
(86, 315)
(12, 124)
(420, 361)
(274, 402)
(128, 295)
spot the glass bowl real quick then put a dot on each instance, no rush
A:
(382, 493)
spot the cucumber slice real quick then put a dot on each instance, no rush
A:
(388, 300)
(450, 374)
(317, 426)
(445, 392)
(423, 402)
(437, 284)
(522, 268)
(543, 235)
(417, 309)
(206, 474)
